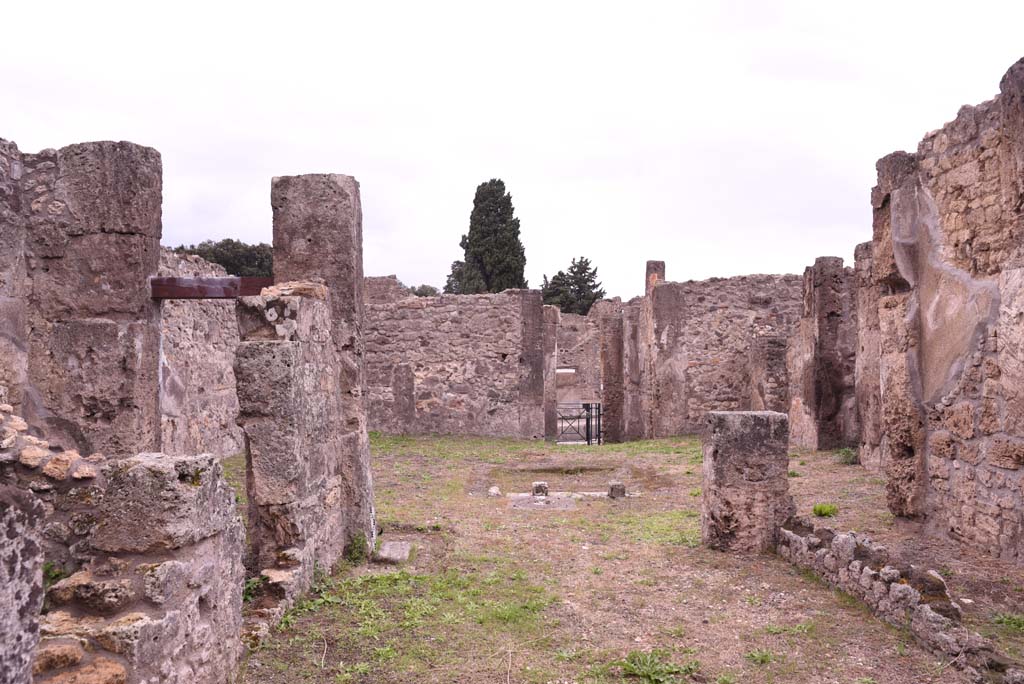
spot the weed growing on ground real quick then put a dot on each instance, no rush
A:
(826, 510)
(251, 588)
(793, 473)
(1012, 621)
(654, 667)
(847, 456)
(760, 656)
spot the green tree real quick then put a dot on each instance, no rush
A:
(575, 291)
(237, 258)
(494, 258)
(425, 291)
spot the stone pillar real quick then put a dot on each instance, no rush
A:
(318, 233)
(21, 583)
(745, 484)
(612, 372)
(13, 281)
(533, 384)
(93, 223)
(303, 500)
(551, 318)
(821, 360)
(866, 371)
(654, 275)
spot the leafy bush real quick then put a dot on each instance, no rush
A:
(654, 667)
(847, 456)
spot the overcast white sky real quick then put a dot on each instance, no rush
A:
(722, 137)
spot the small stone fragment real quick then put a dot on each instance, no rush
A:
(6, 408)
(85, 471)
(393, 552)
(494, 491)
(54, 654)
(8, 437)
(616, 490)
(59, 466)
(32, 456)
(540, 488)
(100, 671)
(18, 423)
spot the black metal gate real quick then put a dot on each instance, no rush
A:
(579, 424)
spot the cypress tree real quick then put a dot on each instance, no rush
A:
(575, 291)
(494, 258)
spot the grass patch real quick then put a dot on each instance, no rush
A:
(826, 510)
(760, 656)
(793, 473)
(846, 456)
(654, 667)
(1014, 622)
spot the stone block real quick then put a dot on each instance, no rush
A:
(393, 552)
(745, 492)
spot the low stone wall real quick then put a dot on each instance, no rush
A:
(198, 338)
(902, 595)
(457, 364)
(303, 502)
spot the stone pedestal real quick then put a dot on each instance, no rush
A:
(745, 489)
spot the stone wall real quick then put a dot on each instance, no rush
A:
(145, 553)
(901, 594)
(318, 234)
(303, 504)
(384, 289)
(198, 338)
(699, 334)
(579, 350)
(769, 375)
(866, 368)
(947, 263)
(79, 237)
(822, 358)
(457, 364)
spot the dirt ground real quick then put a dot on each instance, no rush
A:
(607, 590)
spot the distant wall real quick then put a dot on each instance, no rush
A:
(457, 364)
(198, 339)
(579, 349)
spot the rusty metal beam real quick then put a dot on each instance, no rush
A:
(228, 287)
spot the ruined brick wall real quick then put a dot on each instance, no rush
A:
(947, 258)
(383, 289)
(699, 335)
(198, 338)
(769, 376)
(457, 364)
(821, 360)
(79, 235)
(579, 349)
(303, 502)
(318, 234)
(145, 553)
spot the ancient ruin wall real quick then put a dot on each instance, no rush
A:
(579, 349)
(699, 337)
(21, 582)
(947, 258)
(318, 234)
(866, 368)
(198, 338)
(79, 235)
(457, 364)
(769, 375)
(821, 360)
(383, 289)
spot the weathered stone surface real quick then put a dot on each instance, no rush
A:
(579, 351)
(80, 339)
(458, 364)
(163, 502)
(305, 501)
(745, 491)
(943, 364)
(21, 583)
(318, 234)
(198, 402)
(769, 376)
(821, 360)
(393, 552)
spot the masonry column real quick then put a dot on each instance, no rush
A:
(93, 224)
(318, 233)
(746, 488)
(612, 373)
(551, 318)
(654, 275)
